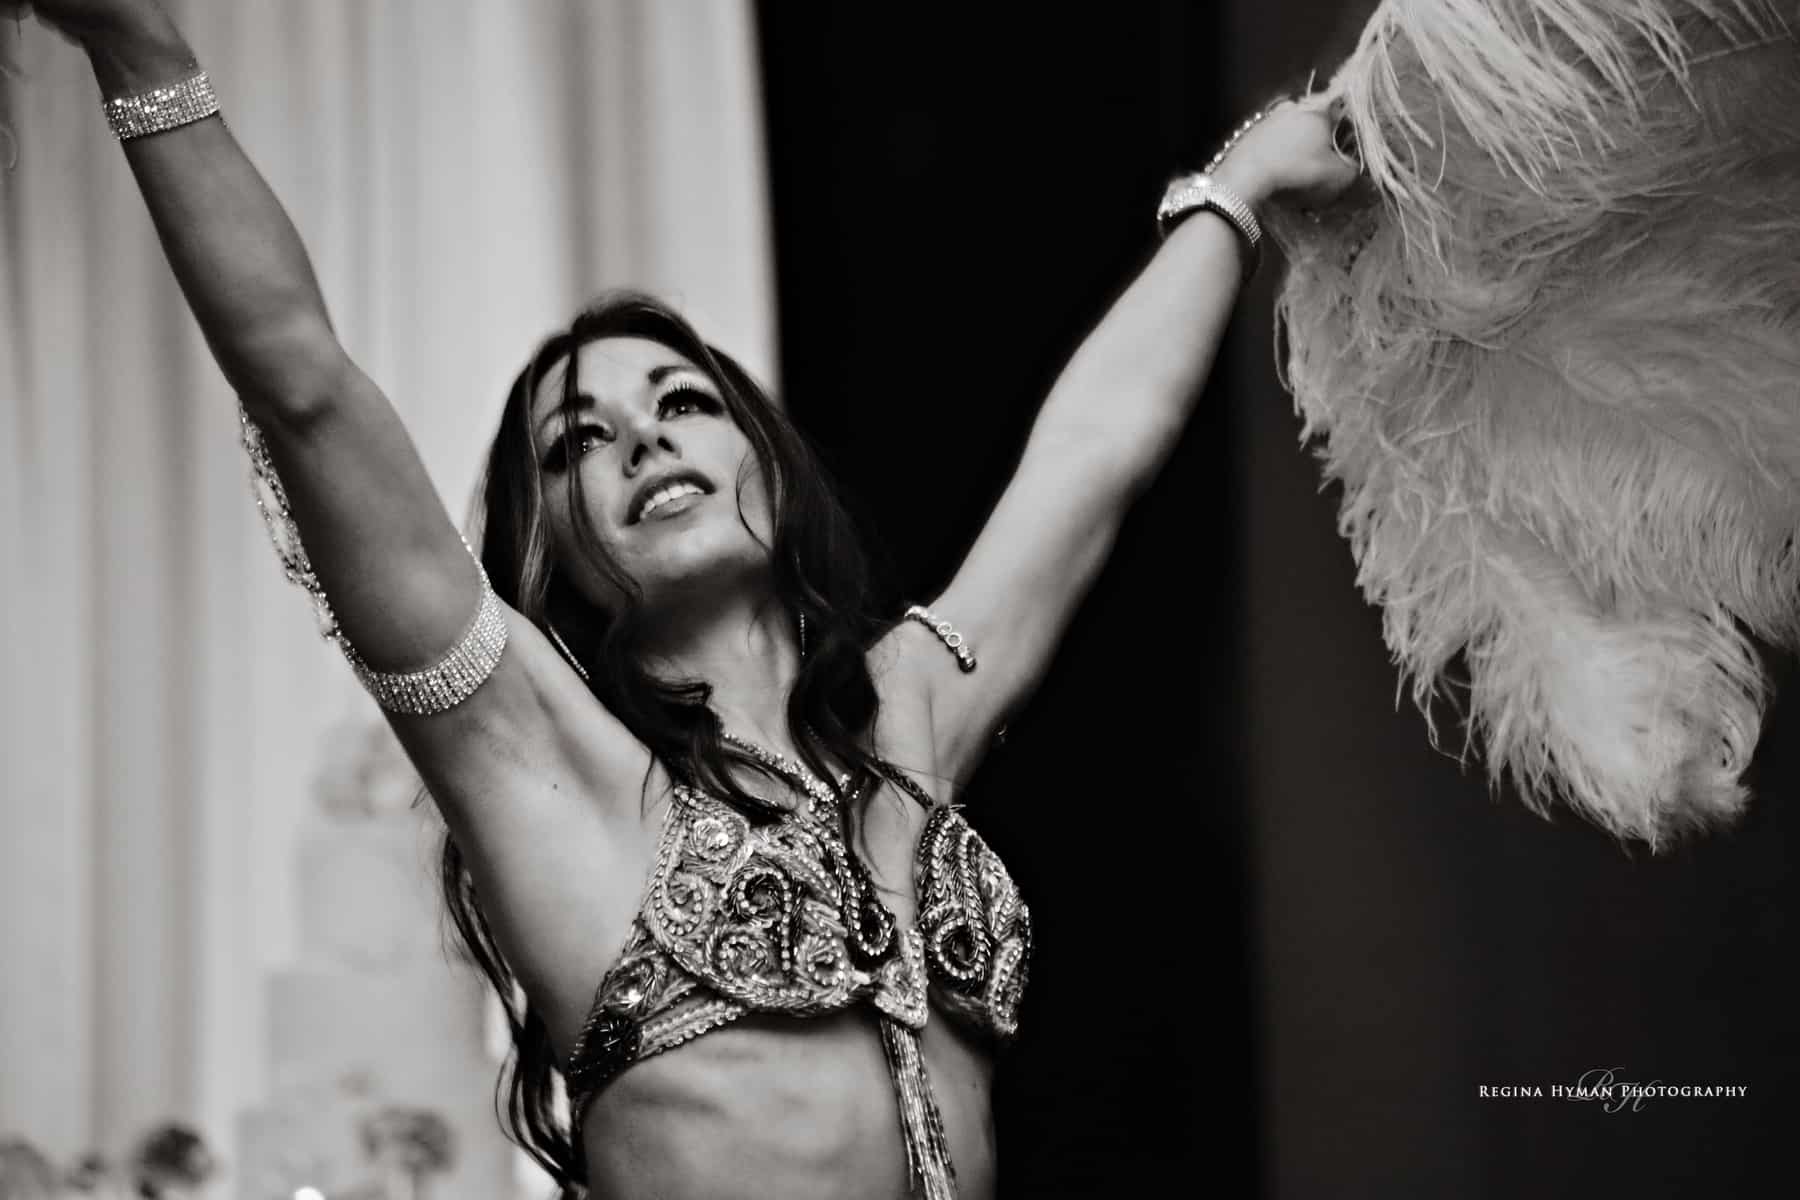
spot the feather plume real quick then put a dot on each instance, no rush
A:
(1551, 351)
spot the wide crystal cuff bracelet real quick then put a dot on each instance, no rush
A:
(1191, 193)
(437, 688)
(162, 108)
(453, 678)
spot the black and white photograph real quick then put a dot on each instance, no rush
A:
(782, 600)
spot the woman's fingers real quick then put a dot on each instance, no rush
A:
(1343, 133)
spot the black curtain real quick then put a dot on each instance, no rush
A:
(1283, 944)
(957, 198)
(1419, 938)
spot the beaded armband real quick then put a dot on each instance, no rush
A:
(453, 678)
(162, 108)
(435, 689)
(946, 633)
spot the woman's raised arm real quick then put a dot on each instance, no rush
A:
(1107, 427)
(376, 532)
(525, 766)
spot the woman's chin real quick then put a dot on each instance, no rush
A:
(703, 569)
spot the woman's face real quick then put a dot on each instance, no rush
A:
(662, 464)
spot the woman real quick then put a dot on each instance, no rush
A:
(699, 798)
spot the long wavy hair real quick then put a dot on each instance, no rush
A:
(819, 572)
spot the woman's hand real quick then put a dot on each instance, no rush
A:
(80, 20)
(132, 44)
(1289, 153)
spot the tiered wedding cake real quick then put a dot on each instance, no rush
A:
(375, 1017)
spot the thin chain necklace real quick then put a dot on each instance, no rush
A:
(816, 789)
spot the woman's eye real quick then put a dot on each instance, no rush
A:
(684, 399)
(584, 439)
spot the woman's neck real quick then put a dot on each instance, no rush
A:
(746, 650)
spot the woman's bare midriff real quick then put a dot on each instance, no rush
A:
(784, 1108)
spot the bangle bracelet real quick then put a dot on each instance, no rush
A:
(1191, 193)
(946, 633)
(454, 677)
(163, 108)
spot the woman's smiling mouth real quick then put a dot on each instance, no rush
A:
(667, 500)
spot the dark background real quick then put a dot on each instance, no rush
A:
(1282, 942)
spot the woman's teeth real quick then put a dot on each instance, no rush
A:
(663, 495)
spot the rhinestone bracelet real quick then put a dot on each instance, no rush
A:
(1249, 124)
(162, 108)
(437, 688)
(946, 633)
(1189, 193)
(453, 678)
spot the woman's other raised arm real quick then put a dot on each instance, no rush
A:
(528, 768)
(1105, 430)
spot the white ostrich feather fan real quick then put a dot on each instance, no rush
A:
(1551, 351)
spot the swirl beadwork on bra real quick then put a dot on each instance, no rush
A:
(781, 917)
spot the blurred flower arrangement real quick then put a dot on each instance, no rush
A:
(405, 1145)
(25, 1174)
(172, 1162)
(411, 1145)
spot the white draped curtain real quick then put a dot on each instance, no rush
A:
(465, 173)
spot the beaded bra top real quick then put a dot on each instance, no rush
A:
(782, 917)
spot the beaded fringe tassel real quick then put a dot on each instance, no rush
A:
(928, 1163)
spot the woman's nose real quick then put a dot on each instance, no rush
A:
(647, 438)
